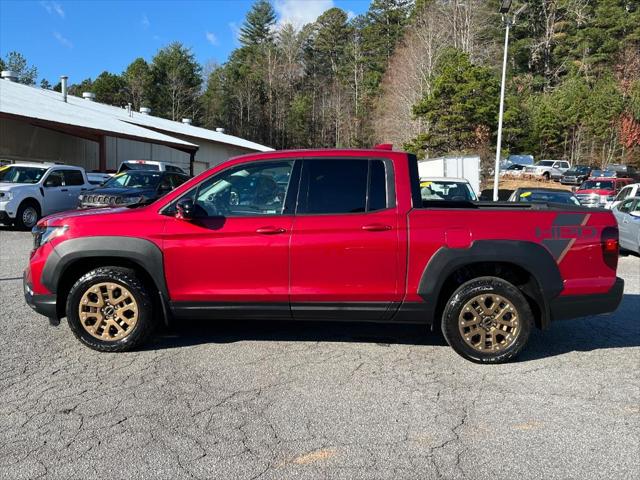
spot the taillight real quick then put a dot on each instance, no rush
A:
(610, 246)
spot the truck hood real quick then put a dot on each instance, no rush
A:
(63, 218)
(4, 186)
(124, 192)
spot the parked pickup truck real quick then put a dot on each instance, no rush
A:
(548, 169)
(324, 235)
(29, 191)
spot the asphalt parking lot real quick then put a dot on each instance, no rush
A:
(280, 400)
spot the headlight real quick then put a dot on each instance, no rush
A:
(42, 235)
(6, 196)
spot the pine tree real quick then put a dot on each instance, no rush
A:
(109, 88)
(258, 27)
(16, 62)
(461, 109)
(137, 77)
(176, 81)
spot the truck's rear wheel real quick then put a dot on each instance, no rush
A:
(487, 320)
(109, 310)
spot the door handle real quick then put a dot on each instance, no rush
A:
(270, 230)
(376, 227)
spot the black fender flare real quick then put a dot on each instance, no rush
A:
(531, 257)
(144, 253)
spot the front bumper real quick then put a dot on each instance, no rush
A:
(43, 304)
(7, 211)
(574, 306)
(571, 181)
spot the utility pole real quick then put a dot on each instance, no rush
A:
(505, 6)
(496, 175)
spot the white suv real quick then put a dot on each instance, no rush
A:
(549, 169)
(29, 191)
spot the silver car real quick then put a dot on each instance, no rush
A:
(627, 214)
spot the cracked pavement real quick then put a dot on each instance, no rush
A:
(283, 400)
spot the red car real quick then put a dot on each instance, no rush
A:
(324, 235)
(597, 191)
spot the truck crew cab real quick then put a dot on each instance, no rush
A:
(324, 235)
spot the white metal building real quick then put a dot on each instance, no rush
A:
(43, 125)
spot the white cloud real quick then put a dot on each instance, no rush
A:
(298, 13)
(145, 21)
(211, 38)
(53, 8)
(65, 42)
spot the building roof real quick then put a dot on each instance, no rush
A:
(47, 105)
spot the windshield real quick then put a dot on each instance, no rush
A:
(545, 163)
(138, 166)
(133, 179)
(597, 185)
(544, 196)
(14, 174)
(443, 190)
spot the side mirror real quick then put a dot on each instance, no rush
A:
(185, 209)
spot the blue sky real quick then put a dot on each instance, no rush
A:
(83, 38)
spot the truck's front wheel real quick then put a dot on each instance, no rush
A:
(28, 215)
(487, 320)
(109, 310)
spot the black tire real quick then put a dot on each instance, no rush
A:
(28, 215)
(546, 176)
(468, 291)
(119, 276)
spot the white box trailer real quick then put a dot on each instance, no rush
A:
(465, 166)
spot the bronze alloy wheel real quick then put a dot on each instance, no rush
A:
(108, 311)
(489, 323)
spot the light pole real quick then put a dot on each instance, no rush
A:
(504, 10)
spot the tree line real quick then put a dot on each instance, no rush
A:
(421, 74)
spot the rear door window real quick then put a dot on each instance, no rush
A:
(377, 199)
(336, 186)
(73, 178)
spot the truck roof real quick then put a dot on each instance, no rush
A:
(44, 165)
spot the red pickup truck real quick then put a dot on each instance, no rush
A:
(324, 235)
